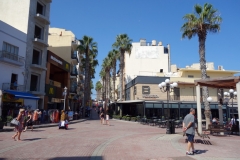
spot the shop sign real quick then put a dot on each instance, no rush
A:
(145, 90)
(70, 115)
(150, 96)
(50, 90)
(58, 62)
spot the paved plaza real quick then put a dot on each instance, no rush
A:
(122, 140)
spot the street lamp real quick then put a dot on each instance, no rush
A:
(64, 94)
(167, 87)
(231, 94)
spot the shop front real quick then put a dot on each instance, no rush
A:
(12, 101)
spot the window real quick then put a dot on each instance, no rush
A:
(34, 82)
(38, 33)
(161, 70)
(176, 92)
(190, 76)
(10, 48)
(36, 59)
(40, 8)
(165, 50)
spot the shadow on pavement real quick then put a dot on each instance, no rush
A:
(78, 158)
(71, 128)
(36, 130)
(202, 151)
(206, 142)
(32, 139)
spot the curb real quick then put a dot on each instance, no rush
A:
(44, 125)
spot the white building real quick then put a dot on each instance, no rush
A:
(146, 59)
(31, 18)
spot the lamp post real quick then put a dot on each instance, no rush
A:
(64, 94)
(167, 87)
(231, 94)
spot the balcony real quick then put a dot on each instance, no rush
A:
(74, 57)
(11, 58)
(73, 88)
(10, 86)
(42, 19)
(48, 1)
(39, 66)
(75, 43)
(74, 73)
(40, 42)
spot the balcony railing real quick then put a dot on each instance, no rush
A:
(73, 88)
(11, 58)
(74, 72)
(11, 86)
(74, 55)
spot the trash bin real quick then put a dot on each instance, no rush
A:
(173, 126)
(170, 126)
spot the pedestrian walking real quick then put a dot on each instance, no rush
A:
(29, 122)
(36, 116)
(107, 119)
(19, 128)
(101, 118)
(189, 128)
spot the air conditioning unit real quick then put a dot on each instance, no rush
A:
(220, 68)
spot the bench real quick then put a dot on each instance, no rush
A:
(216, 129)
(234, 129)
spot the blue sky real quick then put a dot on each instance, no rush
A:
(159, 20)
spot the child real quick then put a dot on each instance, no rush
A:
(107, 119)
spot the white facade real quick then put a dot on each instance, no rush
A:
(32, 18)
(11, 64)
(146, 59)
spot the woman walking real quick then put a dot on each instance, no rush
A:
(102, 117)
(107, 119)
(19, 128)
(29, 121)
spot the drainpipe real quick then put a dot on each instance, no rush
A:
(169, 58)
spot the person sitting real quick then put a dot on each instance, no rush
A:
(214, 121)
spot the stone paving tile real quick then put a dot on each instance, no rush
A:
(121, 141)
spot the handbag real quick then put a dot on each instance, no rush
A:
(15, 122)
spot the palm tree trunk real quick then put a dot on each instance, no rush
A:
(207, 111)
(114, 80)
(121, 72)
(86, 82)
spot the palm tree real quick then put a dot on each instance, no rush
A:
(87, 46)
(106, 68)
(113, 56)
(204, 19)
(103, 77)
(98, 86)
(124, 44)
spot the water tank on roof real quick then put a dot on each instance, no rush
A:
(142, 42)
(160, 43)
(154, 42)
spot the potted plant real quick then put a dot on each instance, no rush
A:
(9, 119)
(1, 123)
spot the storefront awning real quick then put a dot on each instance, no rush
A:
(23, 95)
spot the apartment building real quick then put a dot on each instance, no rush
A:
(64, 44)
(144, 97)
(143, 54)
(57, 78)
(28, 24)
